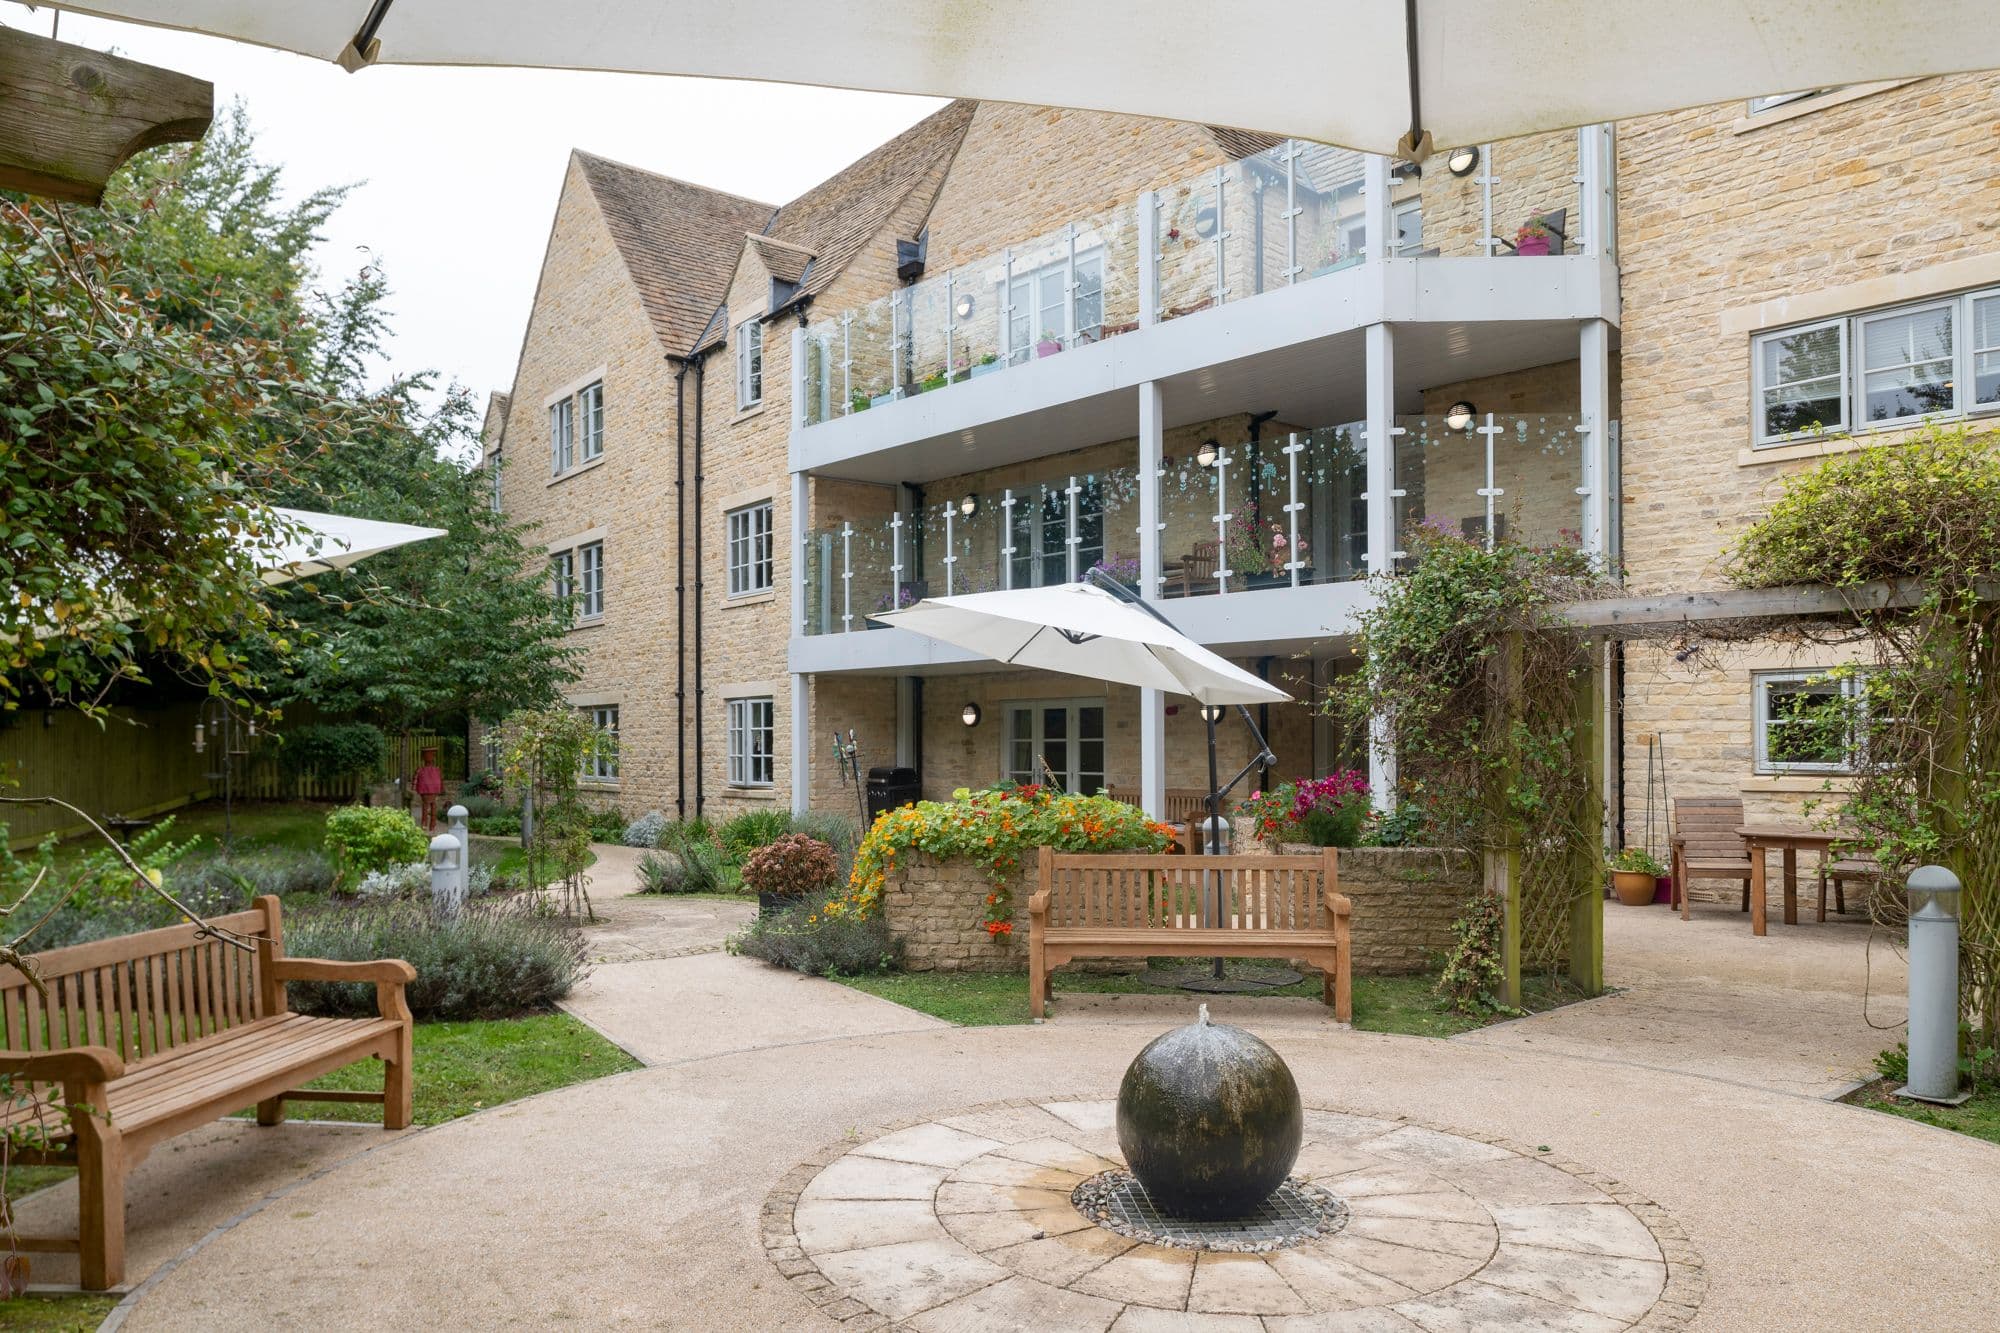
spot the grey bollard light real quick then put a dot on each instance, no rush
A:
(446, 852)
(455, 824)
(1933, 1075)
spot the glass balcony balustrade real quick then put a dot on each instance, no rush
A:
(1287, 215)
(1491, 478)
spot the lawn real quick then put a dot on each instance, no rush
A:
(511, 861)
(55, 1314)
(982, 999)
(1979, 1117)
(294, 825)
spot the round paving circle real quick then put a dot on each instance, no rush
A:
(964, 1222)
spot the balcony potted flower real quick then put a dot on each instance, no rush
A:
(1050, 344)
(1634, 876)
(1248, 550)
(1533, 238)
(859, 401)
(937, 379)
(986, 365)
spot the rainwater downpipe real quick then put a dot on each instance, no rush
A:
(700, 583)
(680, 586)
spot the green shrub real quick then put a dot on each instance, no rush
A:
(277, 870)
(699, 850)
(1637, 860)
(753, 829)
(506, 824)
(364, 839)
(606, 826)
(333, 751)
(489, 961)
(839, 832)
(793, 866)
(485, 807)
(1339, 827)
(661, 872)
(809, 939)
(1405, 826)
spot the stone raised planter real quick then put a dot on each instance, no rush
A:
(1405, 899)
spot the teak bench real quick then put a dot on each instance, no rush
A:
(159, 1032)
(1145, 906)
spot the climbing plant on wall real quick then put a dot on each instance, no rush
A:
(1482, 688)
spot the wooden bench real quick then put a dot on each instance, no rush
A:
(1146, 906)
(162, 1031)
(1706, 846)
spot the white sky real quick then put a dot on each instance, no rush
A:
(462, 167)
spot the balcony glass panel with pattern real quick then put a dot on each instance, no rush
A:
(1517, 476)
(1286, 509)
(1535, 178)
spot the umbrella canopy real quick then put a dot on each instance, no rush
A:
(1082, 630)
(327, 542)
(1361, 73)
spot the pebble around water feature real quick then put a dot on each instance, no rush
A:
(1297, 1210)
(969, 1220)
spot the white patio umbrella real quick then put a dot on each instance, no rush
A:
(327, 542)
(1370, 74)
(1082, 630)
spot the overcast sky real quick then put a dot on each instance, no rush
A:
(462, 167)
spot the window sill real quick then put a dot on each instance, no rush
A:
(751, 598)
(1805, 106)
(1803, 783)
(578, 470)
(598, 784)
(1866, 438)
(754, 410)
(588, 622)
(751, 793)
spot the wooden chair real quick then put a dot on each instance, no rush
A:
(1707, 846)
(1198, 567)
(1859, 867)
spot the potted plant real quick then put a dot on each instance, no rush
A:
(986, 366)
(937, 379)
(1533, 238)
(880, 397)
(1049, 345)
(1634, 876)
(859, 402)
(784, 872)
(1246, 548)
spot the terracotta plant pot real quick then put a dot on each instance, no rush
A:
(1634, 888)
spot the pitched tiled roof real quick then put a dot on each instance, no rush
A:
(680, 242)
(786, 263)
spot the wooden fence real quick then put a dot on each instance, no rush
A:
(137, 762)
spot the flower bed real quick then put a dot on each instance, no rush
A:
(1326, 812)
(995, 830)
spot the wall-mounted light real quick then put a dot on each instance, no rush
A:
(969, 715)
(963, 306)
(1459, 415)
(1205, 223)
(1211, 713)
(1206, 455)
(968, 506)
(1463, 161)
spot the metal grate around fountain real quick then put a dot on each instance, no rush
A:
(1296, 1211)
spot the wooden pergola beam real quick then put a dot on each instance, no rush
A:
(1609, 614)
(70, 116)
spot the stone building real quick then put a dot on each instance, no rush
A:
(1014, 343)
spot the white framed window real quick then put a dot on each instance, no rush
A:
(1039, 537)
(562, 436)
(493, 468)
(600, 764)
(1406, 224)
(590, 419)
(1039, 307)
(492, 748)
(751, 742)
(1779, 99)
(749, 363)
(562, 579)
(1059, 738)
(749, 549)
(1801, 377)
(1807, 721)
(1879, 368)
(590, 581)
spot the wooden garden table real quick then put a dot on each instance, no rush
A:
(1790, 839)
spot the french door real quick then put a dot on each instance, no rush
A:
(1061, 739)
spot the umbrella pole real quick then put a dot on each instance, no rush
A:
(1211, 829)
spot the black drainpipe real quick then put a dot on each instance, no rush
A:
(680, 587)
(1256, 452)
(700, 586)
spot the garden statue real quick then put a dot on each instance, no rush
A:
(429, 785)
(1209, 1119)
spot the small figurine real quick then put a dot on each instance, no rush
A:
(429, 785)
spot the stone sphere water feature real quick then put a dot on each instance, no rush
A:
(1209, 1119)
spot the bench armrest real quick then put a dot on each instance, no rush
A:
(78, 1064)
(390, 975)
(327, 969)
(1038, 905)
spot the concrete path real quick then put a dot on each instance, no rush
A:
(1805, 1009)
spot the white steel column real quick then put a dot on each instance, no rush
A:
(1594, 404)
(1147, 220)
(800, 389)
(1152, 703)
(1377, 229)
(801, 718)
(1594, 197)
(1381, 401)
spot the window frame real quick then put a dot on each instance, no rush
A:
(1766, 103)
(749, 560)
(1074, 739)
(1849, 685)
(1758, 385)
(1861, 369)
(562, 436)
(1972, 351)
(747, 717)
(589, 414)
(590, 591)
(600, 765)
(750, 363)
(1071, 333)
(562, 579)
